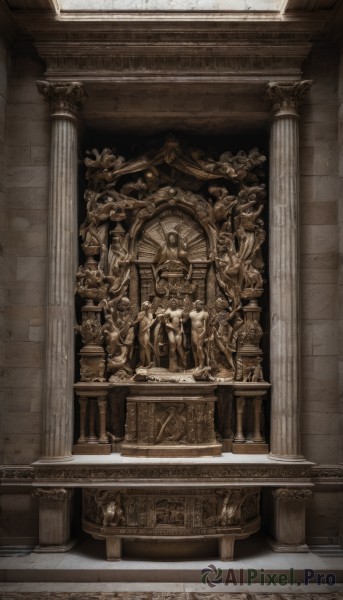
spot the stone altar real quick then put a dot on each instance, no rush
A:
(171, 358)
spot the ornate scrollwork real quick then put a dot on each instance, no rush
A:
(55, 494)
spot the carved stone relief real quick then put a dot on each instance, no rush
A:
(157, 512)
(173, 266)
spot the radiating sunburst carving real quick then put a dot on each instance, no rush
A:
(155, 233)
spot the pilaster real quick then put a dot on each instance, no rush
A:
(288, 523)
(54, 519)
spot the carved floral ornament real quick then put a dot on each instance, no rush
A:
(63, 97)
(287, 95)
(55, 494)
(289, 494)
(173, 265)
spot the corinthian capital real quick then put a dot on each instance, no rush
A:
(287, 95)
(63, 97)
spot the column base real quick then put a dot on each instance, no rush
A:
(287, 458)
(280, 547)
(56, 549)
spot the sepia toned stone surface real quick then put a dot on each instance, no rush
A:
(225, 104)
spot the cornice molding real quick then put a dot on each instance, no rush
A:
(327, 476)
(102, 45)
(319, 475)
(174, 475)
(16, 474)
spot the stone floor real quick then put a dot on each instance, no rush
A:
(84, 573)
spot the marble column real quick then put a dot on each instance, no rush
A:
(65, 100)
(285, 99)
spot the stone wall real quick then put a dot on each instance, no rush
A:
(340, 275)
(25, 239)
(319, 193)
(3, 101)
(28, 138)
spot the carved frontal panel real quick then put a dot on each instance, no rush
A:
(157, 512)
(161, 425)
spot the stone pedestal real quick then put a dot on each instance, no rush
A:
(54, 519)
(288, 525)
(169, 420)
(285, 99)
(65, 100)
(249, 398)
(93, 438)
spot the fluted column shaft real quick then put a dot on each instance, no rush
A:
(65, 99)
(284, 271)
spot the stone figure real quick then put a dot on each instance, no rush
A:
(251, 277)
(101, 169)
(119, 261)
(145, 319)
(199, 329)
(222, 331)
(174, 318)
(119, 333)
(256, 373)
(245, 224)
(173, 255)
(109, 511)
(90, 282)
(224, 203)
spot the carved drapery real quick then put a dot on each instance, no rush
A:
(285, 100)
(65, 100)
